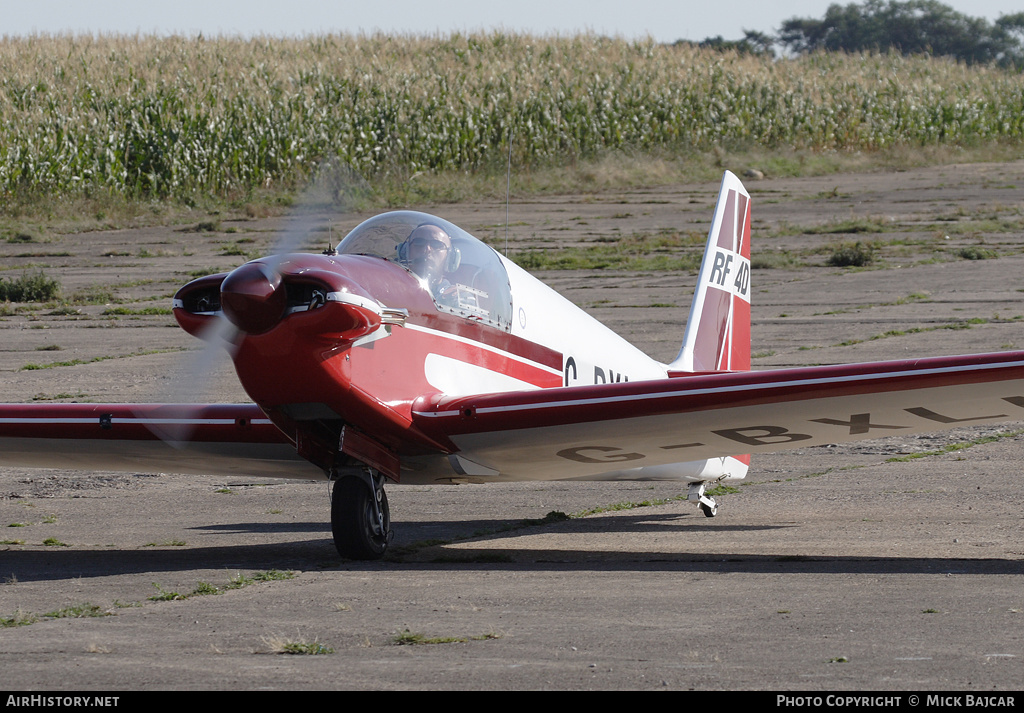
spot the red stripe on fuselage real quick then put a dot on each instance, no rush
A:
(493, 338)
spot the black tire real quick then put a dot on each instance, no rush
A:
(709, 510)
(357, 533)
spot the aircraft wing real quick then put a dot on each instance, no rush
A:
(562, 433)
(205, 439)
(586, 431)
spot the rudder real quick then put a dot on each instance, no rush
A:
(717, 334)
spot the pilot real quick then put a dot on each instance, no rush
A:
(428, 252)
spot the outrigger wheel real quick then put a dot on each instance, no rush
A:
(360, 518)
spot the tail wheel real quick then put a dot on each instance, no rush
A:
(709, 508)
(697, 494)
(360, 518)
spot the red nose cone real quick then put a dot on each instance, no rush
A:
(252, 299)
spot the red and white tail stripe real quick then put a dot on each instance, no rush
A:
(718, 330)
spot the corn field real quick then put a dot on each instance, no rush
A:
(171, 117)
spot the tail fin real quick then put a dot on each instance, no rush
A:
(718, 330)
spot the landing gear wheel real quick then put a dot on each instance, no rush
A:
(360, 517)
(710, 508)
(706, 503)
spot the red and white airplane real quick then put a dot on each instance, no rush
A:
(415, 353)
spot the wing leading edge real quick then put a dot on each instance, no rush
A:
(587, 431)
(201, 439)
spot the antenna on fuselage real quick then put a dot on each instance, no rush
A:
(330, 240)
(508, 187)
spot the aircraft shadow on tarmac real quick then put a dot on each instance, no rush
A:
(413, 531)
(35, 566)
(419, 548)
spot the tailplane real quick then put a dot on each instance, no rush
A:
(717, 334)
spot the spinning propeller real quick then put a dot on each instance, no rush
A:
(251, 299)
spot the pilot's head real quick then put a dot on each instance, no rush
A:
(426, 251)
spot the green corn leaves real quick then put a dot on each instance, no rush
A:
(174, 117)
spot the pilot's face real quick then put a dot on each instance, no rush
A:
(428, 250)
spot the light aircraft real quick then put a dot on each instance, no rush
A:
(414, 353)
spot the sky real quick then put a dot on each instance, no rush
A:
(663, 20)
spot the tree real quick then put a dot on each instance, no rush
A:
(911, 27)
(1013, 27)
(753, 42)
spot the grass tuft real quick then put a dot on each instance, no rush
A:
(409, 638)
(856, 254)
(30, 287)
(975, 252)
(164, 595)
(279, 645)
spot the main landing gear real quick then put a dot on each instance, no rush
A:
(706, 503)
(360, 518)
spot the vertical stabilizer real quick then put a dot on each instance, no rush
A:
(718, 330)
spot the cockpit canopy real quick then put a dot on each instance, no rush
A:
(470, 281)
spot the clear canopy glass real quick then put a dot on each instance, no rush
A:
(467, 278)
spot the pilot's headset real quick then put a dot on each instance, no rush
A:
(454, 256)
